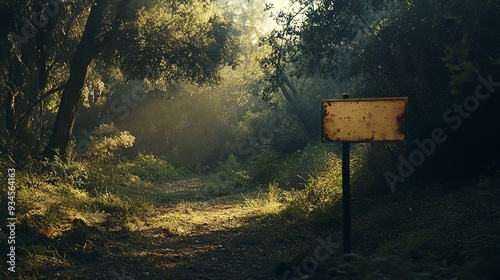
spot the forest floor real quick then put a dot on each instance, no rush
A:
(185, 237)
(189, 235)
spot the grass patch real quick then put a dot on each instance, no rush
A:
(67, 207)
(269, 202)
(322, 190)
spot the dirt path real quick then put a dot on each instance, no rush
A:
(215, 238)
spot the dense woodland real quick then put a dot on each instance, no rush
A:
(182, 139)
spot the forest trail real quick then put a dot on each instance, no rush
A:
(205, 238)
(187, 235)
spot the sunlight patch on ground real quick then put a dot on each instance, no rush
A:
(187, 185)
(188, 218)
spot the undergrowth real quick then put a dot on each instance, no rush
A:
(63, 203)
(410, 235)
(66, 204)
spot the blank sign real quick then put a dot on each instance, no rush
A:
(364, 119)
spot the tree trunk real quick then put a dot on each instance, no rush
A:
(87, 49)
(66, 114)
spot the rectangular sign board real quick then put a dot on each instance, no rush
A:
(364, 119)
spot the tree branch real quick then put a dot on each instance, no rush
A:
(33, 106)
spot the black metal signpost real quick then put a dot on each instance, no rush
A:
(346, 192)
(361, 120)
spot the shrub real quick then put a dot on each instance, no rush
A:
(369, 163)
(71, 172)
(149, 168)
(230, 175)
(322, 190)
(106, 142)
(49, 208)
(267, 166)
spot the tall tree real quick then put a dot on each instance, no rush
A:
(317, 38)
(438, 53)
(92, 42)
(26, 61)
(48, 52)
(161, 39)
(314, 35)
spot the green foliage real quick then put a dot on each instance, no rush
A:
(64, 205)
(314, 36)
(322, 191)
(425, 50)
(149, 168)
(179, 40)
(230, 176)
(301, 198)
(107, 141)
(312, 177)
(231, 171)
(52, 193)
(191, 128)
(291, 139)
(128, 175)
(103, 176)
(370, 161)
(71, 172)
(48, 202)
(156, 42)
(468, 54)
(216, 189)
(267, 201)
(268, 166)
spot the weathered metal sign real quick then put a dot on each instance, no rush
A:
(364, 119)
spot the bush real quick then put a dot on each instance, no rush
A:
(107, 141)
(48, 207)
(268, 166)
(229, 176)
(369, 162)
(149, 168)
(69, 171)
(322, 190)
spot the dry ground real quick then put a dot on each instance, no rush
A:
(192, 236)
(203, 238)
